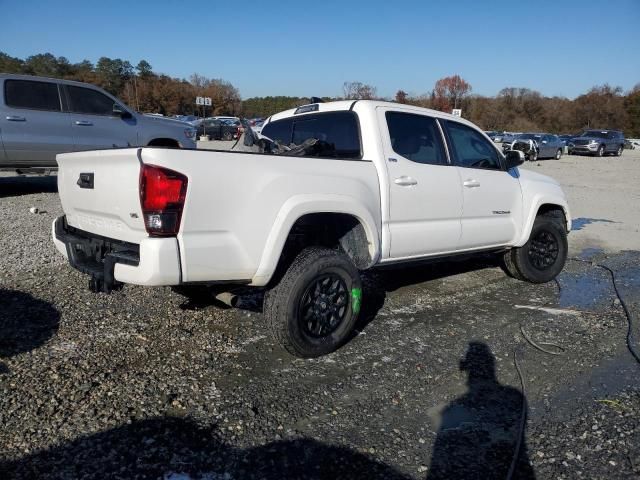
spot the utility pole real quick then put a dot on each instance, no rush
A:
(135, 89)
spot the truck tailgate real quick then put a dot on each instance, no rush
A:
(99, 191)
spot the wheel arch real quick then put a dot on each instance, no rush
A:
(342, 221)
(541, 206)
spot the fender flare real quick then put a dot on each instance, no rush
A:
(538, 202)
(300, 205)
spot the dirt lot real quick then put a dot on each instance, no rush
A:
(604, 197)
(146, 383)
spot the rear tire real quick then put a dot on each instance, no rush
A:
(227, 136)
(559, 154)
(542, 258)
(315, 305)
(619, 151)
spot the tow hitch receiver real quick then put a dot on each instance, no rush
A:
(96, 255)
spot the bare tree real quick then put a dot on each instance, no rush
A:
(401, 96)
(358, 91)
(449, 92)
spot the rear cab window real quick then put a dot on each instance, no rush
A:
(416, 138)
(32, 95)
(338, 133)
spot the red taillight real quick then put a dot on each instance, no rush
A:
(162, 194)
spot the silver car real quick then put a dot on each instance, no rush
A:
(537, 145)
(41, 117)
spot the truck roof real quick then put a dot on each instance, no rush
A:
(351, 104)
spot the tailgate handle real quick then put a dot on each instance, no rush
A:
(85, 180)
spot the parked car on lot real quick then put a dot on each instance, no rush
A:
(493, 134)
(536, 145)
(239, 124)
(41, 117)
(630, 144)
(565, 139)
(598, 142)
(380, 183)
(217, 129)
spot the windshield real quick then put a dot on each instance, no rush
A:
(593, 134)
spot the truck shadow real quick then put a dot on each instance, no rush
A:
(376, 284)
(170, 447)
(26, 323)
(18, 185)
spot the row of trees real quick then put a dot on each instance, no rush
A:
(513, 109)
(139, 86)
(523, 109)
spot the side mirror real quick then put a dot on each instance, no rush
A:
(119, 112)
(513, 158)
(544, 141)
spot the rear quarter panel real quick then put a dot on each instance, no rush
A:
(240, 206)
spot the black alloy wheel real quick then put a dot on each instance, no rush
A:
(543, 250)
(323, 305)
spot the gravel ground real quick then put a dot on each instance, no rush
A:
(604, 198)
(146, 383)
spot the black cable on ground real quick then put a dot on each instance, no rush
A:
(523, 414)
(627, 313)
(538, 345)
(523, 419)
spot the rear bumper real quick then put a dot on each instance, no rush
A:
(110, 262)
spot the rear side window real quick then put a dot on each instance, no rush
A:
(33, 95)
(416, 138)
(471, 148)
(338, 133)
(86, 100)
(279, 131)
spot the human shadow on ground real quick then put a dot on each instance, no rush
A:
(19, 185)
(480, 431)
(170, 447)
(26, 323)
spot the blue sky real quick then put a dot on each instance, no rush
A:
(305, 48)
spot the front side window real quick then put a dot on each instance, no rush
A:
(416, 138)
(86, 100)
(470, 148)
(32, 95)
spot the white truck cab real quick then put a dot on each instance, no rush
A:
(374, 183)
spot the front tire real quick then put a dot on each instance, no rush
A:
(315, 305)
(558, 154)
(542, 258)
(600, 151)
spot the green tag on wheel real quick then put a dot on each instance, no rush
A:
(356, 299)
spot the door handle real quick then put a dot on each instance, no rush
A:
(84, 123)
(471, 183)
(405, 181)
(16, 118)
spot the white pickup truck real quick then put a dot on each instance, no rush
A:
(384, 183)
